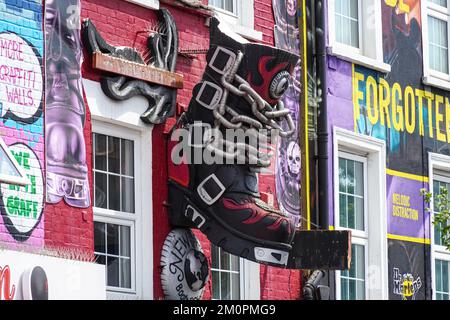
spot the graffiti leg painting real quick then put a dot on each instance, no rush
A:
(288, 164)
(223, 200)
(65, 108)
(21, 120)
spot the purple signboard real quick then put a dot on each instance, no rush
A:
(406, 208)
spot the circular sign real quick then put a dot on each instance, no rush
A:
(21, 79)
(22, 206)
(185, 269)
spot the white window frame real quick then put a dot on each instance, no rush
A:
(436, 163)
(21, 180)
(359, 237)
(249, 273)
(376, 253)
(433, 77)
(242, 21)
(141, 236)
(370, 51)
(150, 4)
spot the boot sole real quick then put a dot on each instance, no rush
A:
(184, 212)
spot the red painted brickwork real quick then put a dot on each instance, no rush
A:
(123, 23)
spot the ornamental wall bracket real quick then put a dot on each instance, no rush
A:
(128, 73)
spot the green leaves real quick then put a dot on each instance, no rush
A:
(441, 213)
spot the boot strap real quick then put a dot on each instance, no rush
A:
(211, 189)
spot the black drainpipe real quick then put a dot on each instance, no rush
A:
(322, 120)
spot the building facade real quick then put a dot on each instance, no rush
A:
(89, 170)
(388, 124)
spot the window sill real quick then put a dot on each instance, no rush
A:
(150, 4)
(237, 26)
(360, 59)
(111, 295)
(436, 82)
(247, 33)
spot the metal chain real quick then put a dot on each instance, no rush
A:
(267, 117)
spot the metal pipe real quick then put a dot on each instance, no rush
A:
(322, 120)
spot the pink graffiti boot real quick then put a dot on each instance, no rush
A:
(65, 110)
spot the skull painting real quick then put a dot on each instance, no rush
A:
(294, 160)
(291, 7)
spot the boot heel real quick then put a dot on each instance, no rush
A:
(178, 207)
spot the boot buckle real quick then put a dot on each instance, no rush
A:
(222, 60)
(211, 189)
(209, 95)
(271, 256)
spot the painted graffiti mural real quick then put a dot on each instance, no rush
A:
(288, 164)
(413, 119)
(407, 271)
(67, 176)
(21, 118)
(22, 207)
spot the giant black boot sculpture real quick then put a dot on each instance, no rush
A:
(240, 90)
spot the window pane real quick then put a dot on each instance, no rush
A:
(235, 279)
(347, 22)
(343, 211)
(359, 178)
(442, 279)
(225, 282)
(225, 274)
(99, 237)
(112, 271)
(215, 285)
(125, 241)
(442, 3)
(127, 157)
(351, 197)
(127, 195)
(438, 44)
(234, 263)
(101, 190)
(223, 4)
(344, 289)
(125, 273)
(215, 257)
(113, 239)
(350, 177)
(100, 151)
(342, 175)
(360, 266)
(353, 280)
(113, 155)
(359, 214)
(114, 192)
(228, 5)
(224, 260)
(351, 212)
